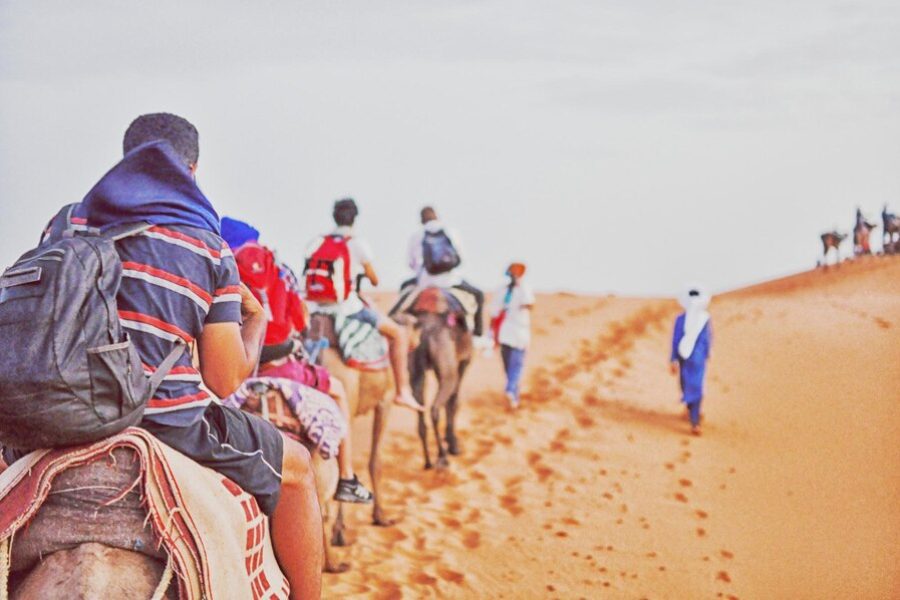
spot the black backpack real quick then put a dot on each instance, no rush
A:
(69, 374)
(438, 254)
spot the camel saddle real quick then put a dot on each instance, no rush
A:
(131, 492)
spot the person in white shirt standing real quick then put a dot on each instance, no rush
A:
(436, 257)
(511, 326)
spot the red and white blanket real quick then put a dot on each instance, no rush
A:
(214, 533)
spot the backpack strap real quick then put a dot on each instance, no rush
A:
(119, 232)
(165, 366)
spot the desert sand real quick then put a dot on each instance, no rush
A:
(595, 489)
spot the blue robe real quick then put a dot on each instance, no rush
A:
(693, 369)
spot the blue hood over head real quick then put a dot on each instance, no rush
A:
(237, 233)
(151, 183)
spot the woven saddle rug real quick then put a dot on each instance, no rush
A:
(213, 533)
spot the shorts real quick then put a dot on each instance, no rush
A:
(367, 315)
(310, 375)
(242, 447)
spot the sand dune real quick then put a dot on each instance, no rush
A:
(595, 490)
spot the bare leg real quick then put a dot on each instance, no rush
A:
(297, 523)
(398, 343)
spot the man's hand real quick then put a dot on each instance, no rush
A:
(250, 306)
(673, 367)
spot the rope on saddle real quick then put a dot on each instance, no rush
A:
(164, 582)
(5, 558)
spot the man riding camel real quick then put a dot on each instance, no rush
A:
(268, 280)
(180, 284)
(436, 257)
(336, 264)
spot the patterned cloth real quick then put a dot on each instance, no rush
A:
(216, 537)
(320, 418)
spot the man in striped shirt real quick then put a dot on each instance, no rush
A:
(180, 283)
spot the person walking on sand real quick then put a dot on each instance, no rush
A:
(691, 343)
(511, 326)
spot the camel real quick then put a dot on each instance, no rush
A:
(77, 544)
(891, 233)
(326, 470)
(832, 239)
(445, 347)
(366, 391)
(862, 231)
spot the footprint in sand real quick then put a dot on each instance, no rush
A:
(474, 516)
(585, 421)
(423, 578)
(701, 532)
(701, 513)
(450, 575)
(726, 554)
(571, 521)
(451, 522)
(471, 539)
(681, 497)
(510, 503)
(685, 482)
(388, 590)
(723, 576)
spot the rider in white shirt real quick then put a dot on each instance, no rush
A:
(361, 267)
(450, 279)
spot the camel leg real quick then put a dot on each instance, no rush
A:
(452, 407)
(379, 425)
(326, 483)
(447, 384)
(337, 532)
(417, 370)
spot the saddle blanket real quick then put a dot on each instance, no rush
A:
(360, 344)
(459, 301)
(321, 421)
(213, 532)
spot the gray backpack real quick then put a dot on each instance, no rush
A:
(69, 374)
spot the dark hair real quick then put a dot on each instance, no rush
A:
(428, 214)
(345, 212)
(694, 293)
(164, 126)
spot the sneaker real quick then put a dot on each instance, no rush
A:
(351, 490)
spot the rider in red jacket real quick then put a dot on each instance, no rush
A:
(287, 317)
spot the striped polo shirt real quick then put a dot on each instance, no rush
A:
(175, 279)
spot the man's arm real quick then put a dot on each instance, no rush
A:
(230, 352)
(370, 274)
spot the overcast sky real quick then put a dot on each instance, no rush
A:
(622, 147)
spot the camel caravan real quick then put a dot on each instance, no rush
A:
(176, 402)
(861, 236)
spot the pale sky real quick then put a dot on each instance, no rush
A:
(624, 147)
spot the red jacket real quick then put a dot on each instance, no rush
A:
(260, 273)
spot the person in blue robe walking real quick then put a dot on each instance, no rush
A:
(691, 343)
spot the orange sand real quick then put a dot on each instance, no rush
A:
(595, 490)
